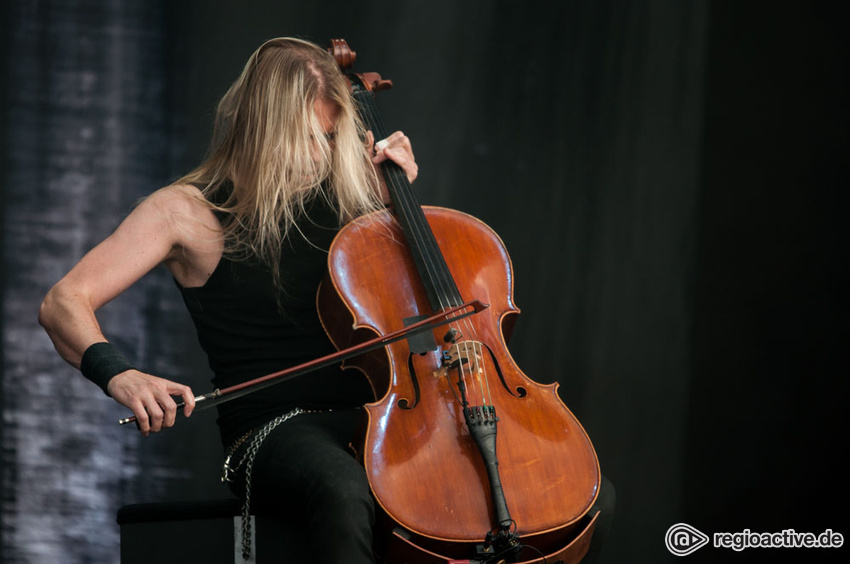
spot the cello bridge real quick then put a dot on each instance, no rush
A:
(464, 356)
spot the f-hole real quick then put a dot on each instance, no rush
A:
(404, 403)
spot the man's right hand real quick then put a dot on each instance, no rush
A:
(150, 399)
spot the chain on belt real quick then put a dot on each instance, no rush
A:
(229, 469)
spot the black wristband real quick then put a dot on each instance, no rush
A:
(101, 362)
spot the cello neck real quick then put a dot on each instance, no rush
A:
(433, 271)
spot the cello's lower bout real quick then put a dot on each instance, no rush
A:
(425, 471)
(568, 547)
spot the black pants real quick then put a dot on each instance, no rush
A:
(306, 473)
(305, 467)
(606, 502)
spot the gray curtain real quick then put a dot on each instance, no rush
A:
(88, 131)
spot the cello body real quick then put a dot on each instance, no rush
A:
(428, 477)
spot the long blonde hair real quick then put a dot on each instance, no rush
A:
(268, 142)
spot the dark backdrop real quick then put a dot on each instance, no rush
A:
(664, 174)
(765, 429)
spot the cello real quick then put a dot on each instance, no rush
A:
(468, 458)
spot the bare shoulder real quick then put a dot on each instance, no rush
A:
(194, 228)
(183, 208)
(181, 199)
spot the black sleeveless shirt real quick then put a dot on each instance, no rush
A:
(247, 332)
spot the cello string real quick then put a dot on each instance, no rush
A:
(402, 192)
(392, 178)
(434, 263)
(438, 270)
(408, 208)
(405, 209)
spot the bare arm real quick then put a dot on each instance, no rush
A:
(145, 239)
